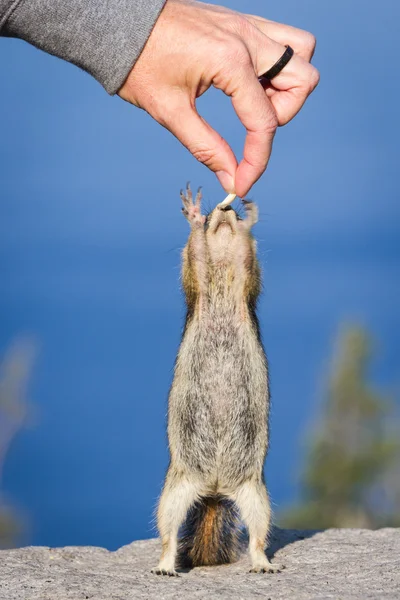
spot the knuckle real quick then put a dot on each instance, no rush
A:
(166, 110)
(241, 26)
(314, 78)
(235, 54)
(270, 124)
(204, 154)
(309, 42)
(242, 58)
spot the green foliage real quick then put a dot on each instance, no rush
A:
(351, 476)
(14, 374)
(10, 527)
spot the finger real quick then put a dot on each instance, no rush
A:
(258, 117)
(289, 90)
(206, 145)
(302, 42)
(291, 87)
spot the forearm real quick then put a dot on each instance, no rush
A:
(103, 37)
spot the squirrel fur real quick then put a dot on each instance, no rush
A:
(218, 404)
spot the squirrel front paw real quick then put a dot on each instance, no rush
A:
(192, 210)
(251, 214)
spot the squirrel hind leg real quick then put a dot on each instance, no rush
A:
(253, 503)
(176, 499)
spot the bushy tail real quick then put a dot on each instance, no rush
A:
(210, 535)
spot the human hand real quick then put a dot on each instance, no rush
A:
(194, 46)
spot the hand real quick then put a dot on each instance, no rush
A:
(194, 46)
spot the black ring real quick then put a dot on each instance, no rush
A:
(279, 65)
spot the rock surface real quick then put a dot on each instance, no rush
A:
(337, 563)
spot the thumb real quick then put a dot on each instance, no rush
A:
(206, 144)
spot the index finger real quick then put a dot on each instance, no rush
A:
(258, 116)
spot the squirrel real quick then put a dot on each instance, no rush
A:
(218, 405)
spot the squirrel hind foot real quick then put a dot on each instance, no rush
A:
(169, 572)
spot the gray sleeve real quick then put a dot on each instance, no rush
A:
(103, 37)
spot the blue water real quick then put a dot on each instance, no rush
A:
(90, 236)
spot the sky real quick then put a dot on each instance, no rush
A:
(90, 241)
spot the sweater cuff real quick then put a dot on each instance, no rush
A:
(103, 37)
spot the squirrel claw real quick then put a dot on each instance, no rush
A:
(187, 197)
(192, 210)
(170, 573)
(271, 568)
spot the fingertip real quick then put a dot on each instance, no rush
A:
(246, 177)
(242, 185)
(227, 181)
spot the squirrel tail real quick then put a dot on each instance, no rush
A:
(210, 534)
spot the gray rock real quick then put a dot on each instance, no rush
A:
(337, 563)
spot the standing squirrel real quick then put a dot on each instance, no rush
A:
(219, 400)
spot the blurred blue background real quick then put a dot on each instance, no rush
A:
(90, 239)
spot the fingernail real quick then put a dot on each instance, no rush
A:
(227, 181)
